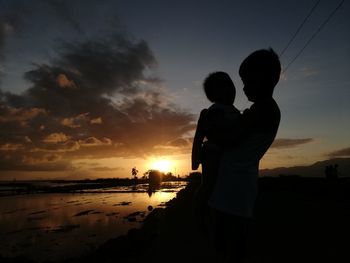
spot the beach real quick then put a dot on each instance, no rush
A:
(296, 220)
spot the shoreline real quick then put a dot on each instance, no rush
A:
(81, 186)
(296, 220)
(304, 218)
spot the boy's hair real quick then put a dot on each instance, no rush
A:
(219, 87)
(264, 63)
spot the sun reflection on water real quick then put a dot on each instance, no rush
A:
(57, 226)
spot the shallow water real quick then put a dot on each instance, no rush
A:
(59, 226)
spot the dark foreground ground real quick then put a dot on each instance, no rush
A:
(297, 220)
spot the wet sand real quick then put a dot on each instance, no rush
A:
(55, 227)
(296, 220)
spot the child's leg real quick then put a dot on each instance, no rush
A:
(210, 166)
(231, 236)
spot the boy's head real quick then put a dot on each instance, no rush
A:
(219, 88)
(260, 72)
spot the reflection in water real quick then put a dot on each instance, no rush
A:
(58, 226)
(152, 189)
(154, 181)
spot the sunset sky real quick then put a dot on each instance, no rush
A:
(93, 88)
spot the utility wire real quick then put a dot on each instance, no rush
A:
(314, 35)
(300, 27)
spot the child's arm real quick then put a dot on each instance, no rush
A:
(198, 141)
(234, 131)
(222, 123)
(263, 117)
(223, 118)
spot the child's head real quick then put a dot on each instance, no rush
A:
(219, 88)
(260, 72)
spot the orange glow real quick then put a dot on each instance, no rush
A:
(162, 165)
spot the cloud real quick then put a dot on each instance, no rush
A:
(57, 145)
(4, 28)
(107, 169)
(288, 143)
(11, 147)
(93, 100)
(23, 115)
(17, 17)
(96, 121)
(92, 141)
(22, 160)
(345, 152)
(181, 142)
(308, 72)
(10, 21)
(64, 82)
(304, 72)
(76, 121)
(56, 138)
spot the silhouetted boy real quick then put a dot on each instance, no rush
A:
(221, 91)
(235, 192)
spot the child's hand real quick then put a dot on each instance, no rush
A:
(198, 140)
(246, 111)
(201, 124)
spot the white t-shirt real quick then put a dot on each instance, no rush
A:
(236, 187)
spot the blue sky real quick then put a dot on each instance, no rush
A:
(189, 39)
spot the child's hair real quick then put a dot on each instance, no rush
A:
(263, 63)
(219, 87)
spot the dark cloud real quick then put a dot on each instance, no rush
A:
(9, 23)
(11, 17)
(93, 100)
(345, 152)
(11, 13)
(24, 18)
(24, 160)
(106, 169)
(2, 33)
(288, 143)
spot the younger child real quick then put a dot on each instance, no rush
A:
(221, 115)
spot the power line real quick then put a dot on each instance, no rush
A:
(314, 35)
(300, 27)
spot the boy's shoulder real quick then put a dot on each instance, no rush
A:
(263, 115)
(265, 106)
(203, 113)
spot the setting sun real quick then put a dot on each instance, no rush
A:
(162, 165)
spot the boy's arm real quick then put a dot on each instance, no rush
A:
(198, 141)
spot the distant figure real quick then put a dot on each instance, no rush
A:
(331, 172)
(235, 192)
(335, 171)
(154, 179)
(220, 90)
(328, 171)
